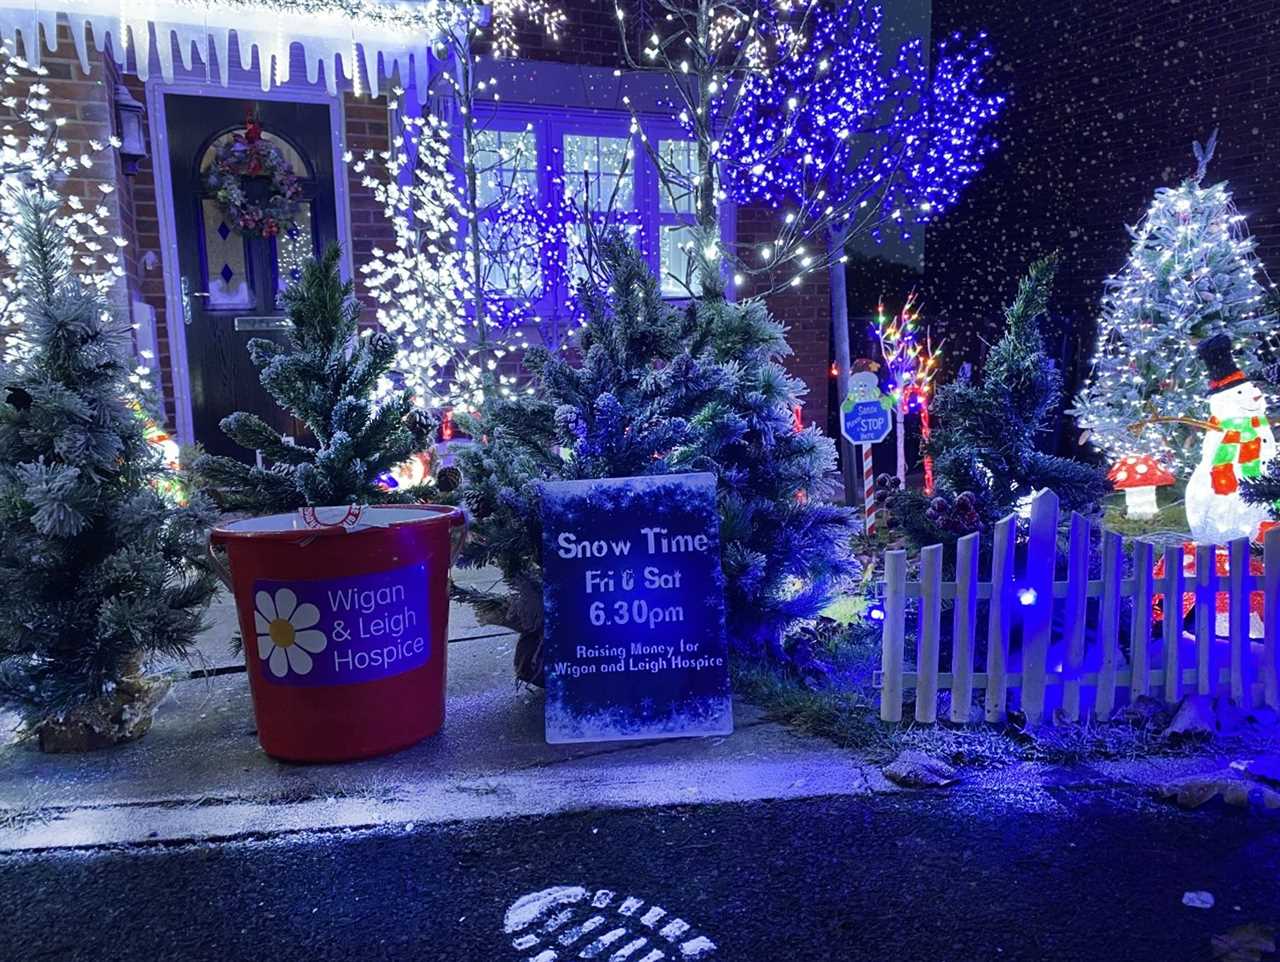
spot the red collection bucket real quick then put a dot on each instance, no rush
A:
(344, 614)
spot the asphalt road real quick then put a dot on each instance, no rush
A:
(960, 876)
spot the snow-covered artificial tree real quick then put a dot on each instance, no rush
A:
(986, 433)
(475, 245)
(1192, 273)
(1265, 490)
(98, 569)
(326, 375)
(655, 389)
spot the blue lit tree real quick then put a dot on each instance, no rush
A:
(845, 144)
(796, 105)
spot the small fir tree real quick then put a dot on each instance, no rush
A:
(326, 375)
(97, 569)
(659, 389)
(985, 435)
(1192, 273)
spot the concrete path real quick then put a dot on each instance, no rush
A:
(200, 773)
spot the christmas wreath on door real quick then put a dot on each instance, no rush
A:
(254, 184)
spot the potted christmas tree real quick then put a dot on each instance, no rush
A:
(331, 378)
(97, 569)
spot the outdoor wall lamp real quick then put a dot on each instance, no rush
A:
(129, 127)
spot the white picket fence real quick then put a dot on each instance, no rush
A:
(1051, 670)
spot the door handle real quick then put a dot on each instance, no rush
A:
(187, 294)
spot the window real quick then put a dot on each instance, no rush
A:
(603, 166)
(573, 159)
(226, 263)
(506, 160)
(676, 205)
(508, 191)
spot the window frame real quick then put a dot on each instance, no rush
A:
(550, 129)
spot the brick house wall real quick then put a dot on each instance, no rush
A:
(147, 273)
(86, 100)
(1105, 100)
(805, 310)
(367, 127)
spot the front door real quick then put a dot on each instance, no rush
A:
(231, 281)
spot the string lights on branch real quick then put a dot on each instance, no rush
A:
(911, 360)
(475, 244)
(777, 97)
(35, 155)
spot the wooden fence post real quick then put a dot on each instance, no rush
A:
(1206, 617)
(1042, 556)
(999, 618)
(930, 634)
(1238, 621)
(1172, 588)
(893, 639)
(965, 619)
(1271, 638)
(1140, 633)
(1109, 625)
(1075, 616)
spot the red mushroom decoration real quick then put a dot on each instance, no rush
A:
(1138, 476)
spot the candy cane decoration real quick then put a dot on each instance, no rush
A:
(868, 491)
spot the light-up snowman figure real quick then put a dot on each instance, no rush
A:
(864, 383)
(1238, 444)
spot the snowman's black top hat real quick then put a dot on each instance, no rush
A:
(1218, 357)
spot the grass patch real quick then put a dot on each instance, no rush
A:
(849, 717)
(847, 610)
(1172, 516)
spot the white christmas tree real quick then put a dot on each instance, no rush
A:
(419, 283)
(474, 244)
(1192, 273)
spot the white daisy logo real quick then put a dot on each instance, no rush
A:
(287, 637)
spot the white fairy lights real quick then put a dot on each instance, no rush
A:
(473, 243)
(34, 155)
(776, 94)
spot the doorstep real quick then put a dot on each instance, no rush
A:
(200, 774)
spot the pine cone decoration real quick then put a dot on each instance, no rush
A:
(422, 426)
(959, 516)
(448, 479)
